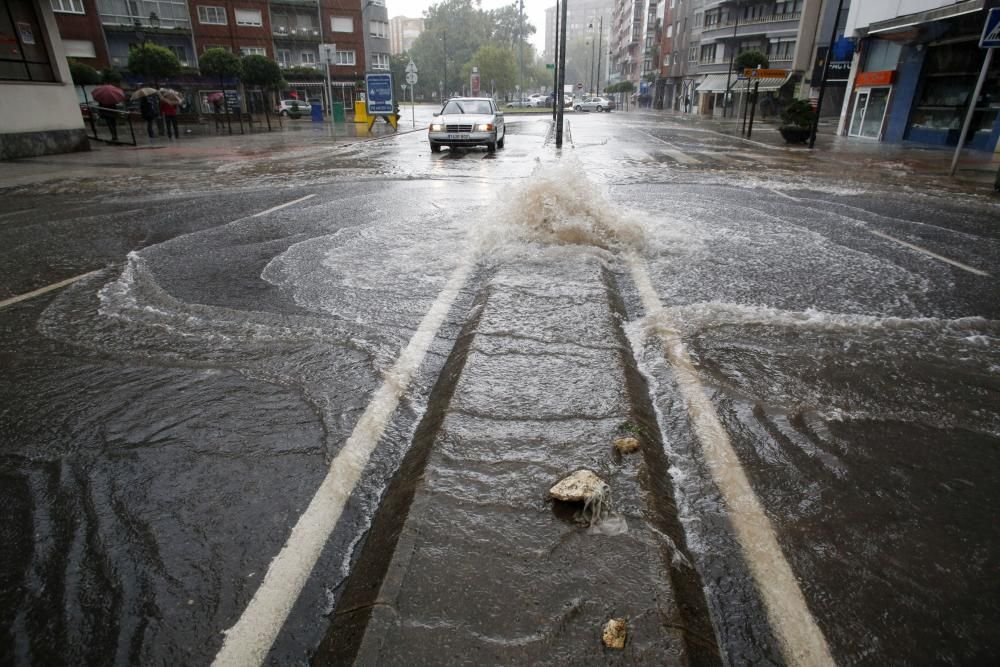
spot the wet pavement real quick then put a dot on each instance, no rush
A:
(312, 391)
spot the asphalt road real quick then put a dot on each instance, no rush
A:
(301, 378)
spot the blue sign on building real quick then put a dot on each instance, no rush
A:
(379, 97)
(991, 31)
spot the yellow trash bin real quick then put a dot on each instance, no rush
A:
(360, 111)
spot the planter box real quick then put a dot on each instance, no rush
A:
(795, 135)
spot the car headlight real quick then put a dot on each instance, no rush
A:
(437, 127)
(487, 127)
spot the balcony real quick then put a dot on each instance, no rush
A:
(296, 3)
(751, 26)
(296, 34)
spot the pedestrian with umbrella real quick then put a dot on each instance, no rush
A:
(149, 107)
(109, 97)
(216, 100)
(169, 101)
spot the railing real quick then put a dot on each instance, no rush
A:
(760, 20)
(311, 34)
(106, 123)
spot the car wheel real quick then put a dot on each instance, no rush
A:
(599, 108)
(577, 108)
(435, 148)
(284, 113)
(501, 140)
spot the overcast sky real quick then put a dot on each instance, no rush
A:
(534, 11)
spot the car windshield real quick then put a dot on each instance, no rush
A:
(467, 106)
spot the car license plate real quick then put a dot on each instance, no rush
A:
(458, 136)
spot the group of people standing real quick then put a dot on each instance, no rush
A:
(152, 108)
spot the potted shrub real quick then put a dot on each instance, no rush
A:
(797, 121)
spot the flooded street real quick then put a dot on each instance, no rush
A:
(305, 399)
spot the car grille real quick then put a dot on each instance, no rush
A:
(458, 128)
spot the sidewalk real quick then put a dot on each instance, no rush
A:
(192, 152)
(975, 168)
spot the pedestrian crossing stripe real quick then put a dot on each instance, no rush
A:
(991, 31)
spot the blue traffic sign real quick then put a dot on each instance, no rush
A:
(379, 97)
(991, 31)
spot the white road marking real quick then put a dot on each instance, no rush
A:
(637, 155)
(45, 290)
(802, 641)
(249, 640)
(672, 150)
(964, 267)
(281, 206)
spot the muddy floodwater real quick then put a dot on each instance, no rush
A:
(309, 410)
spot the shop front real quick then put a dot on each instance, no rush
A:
(871, 102)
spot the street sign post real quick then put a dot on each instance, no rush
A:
(328, 56)
(411, 79)
(989, 40)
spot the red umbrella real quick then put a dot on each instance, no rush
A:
(108, 95)
(213, 97)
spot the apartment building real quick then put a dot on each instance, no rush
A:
(628, 37)
(914, 71)
(376, 18)
(583, 20)
(101, 33)
(403, 32)
(39, 113)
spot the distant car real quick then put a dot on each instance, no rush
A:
(594, 104)
(468, 121)
(538, 100)
(567, 101)
(285, 107)
(521, 103)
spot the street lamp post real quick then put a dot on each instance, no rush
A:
(732, 57)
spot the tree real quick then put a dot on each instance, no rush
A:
(505, 27)
(453, 32)
(111, 76)
(750, 60)
(263, 73)
(83, 75)
(221, 63)
(153, 63)
(495, 63)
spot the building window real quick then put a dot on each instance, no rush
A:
(345, 58)
(693, 53)
(24, 57)
(211, 15)
(68, 6)
(378, 28)
(783, 49)
(713, 17)
(670, 30)
(788, 6)
(342, 24)
(308, 58)
(253, 51)
(248, 17)
(708, 53)
(180, 52)
(666, 60)
(380, 61)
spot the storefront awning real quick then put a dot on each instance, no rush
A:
(766, 84)
(715, 83)
(909, 20)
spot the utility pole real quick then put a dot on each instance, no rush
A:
(561, 81)
(520, 42)
(826, 68)
(444, 46)
(555, 69)
(600, 49)
(732, 56)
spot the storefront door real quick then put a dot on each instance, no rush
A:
(869, 112)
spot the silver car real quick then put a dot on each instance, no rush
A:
(594, 104)
(468, 121)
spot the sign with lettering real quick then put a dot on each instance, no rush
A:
(752, 73)
(378, 86)
(868, 79)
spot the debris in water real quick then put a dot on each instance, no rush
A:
(583, 486)
(615, 632)
(627, 444)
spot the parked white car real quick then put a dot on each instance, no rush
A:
(284, 107)
(594, 104)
